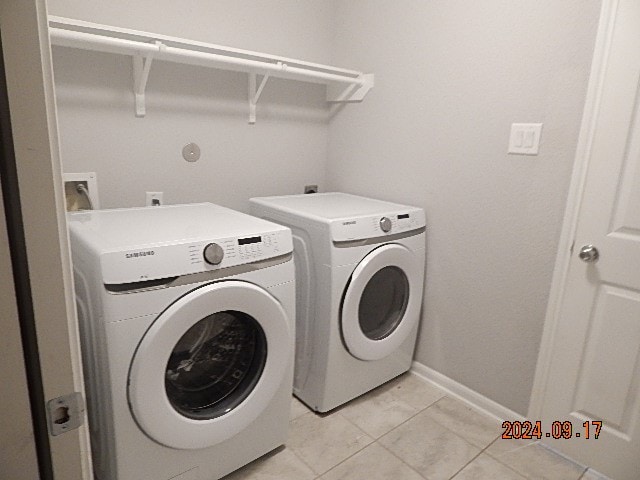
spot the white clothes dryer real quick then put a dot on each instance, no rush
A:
(187, 330)
(359, 286)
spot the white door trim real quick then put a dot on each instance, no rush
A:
(602, 48)
(29, 76)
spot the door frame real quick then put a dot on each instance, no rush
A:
(18, 453)
(45, 277)
(604, 39)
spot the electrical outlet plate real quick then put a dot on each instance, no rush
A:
(154, 199)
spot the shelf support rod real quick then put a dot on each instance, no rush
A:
(254, 95)
(141, 68)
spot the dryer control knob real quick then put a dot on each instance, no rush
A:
(385, 224)
(213, 253)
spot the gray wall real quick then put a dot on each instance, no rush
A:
(451, 76)
(286, 149)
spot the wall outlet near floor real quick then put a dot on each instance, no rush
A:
(154, 199)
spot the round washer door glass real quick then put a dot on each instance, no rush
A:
(381, 303)
(215, 365)
(210, 364)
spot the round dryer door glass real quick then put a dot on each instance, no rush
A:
(383, 302)
(215, 365)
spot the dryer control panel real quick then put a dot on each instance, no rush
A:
(371, 226)
(161, 261)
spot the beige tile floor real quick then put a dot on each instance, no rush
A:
(406, 429)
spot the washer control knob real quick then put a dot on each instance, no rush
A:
(385, 224)
(213, 253)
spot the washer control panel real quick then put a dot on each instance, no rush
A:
(236, 251)
(361, 228)
(166, 260)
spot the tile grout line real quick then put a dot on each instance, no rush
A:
(484, 450)
(449, 429)
(401, 423)
(298, 456)
(501, 462)
(495, 457)
(344, 460)
(446, 428)
(466, 464)
(564, 457)
(375, 439)
(418, 412)
(405, 463)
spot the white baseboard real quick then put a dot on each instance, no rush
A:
(473, 398)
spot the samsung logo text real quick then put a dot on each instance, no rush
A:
(143, 253)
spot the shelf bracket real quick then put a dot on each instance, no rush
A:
(352, 93)
(141, 68)
(254, 95)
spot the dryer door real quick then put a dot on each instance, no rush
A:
(381, 304)
(210, 364)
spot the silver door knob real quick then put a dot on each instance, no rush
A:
(589, 254)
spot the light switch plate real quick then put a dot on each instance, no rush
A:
(525, 138)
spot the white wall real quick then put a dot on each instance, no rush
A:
(285, 150)
(451, 76)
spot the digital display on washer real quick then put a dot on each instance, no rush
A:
(404, 215)
(249, 240)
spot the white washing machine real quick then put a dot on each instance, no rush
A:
(187, 324)
(360, 274)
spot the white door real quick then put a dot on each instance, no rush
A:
(210, 364)
(381, 305)
(593, 374)
(41, 250)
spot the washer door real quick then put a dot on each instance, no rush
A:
(209, 365)
(381, 304)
